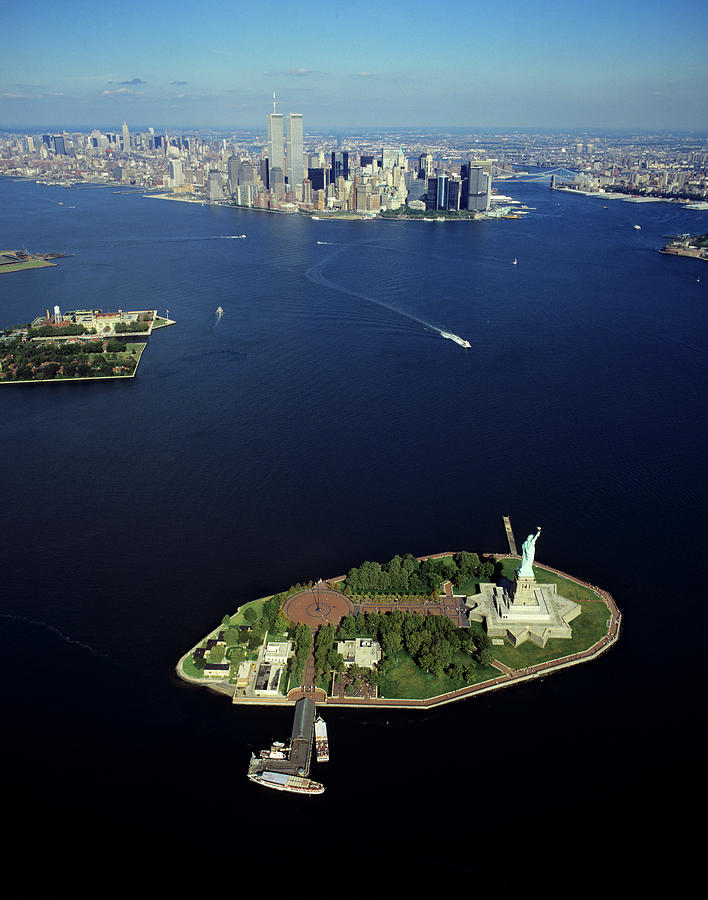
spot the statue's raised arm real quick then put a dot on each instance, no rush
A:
(528, 551)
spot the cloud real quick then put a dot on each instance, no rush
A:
(178, 82)
(295, 73)
(132, 81)
(366, 75)
(123, 91)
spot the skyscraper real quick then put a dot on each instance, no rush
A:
(234, 167)
(479, 188)
(126, 137)
(441, 190)
(425, 162)
(276, 154)
(296, 151)
(340, 165)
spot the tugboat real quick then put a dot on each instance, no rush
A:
(321, 741)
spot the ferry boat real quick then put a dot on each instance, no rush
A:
(458, 340)
(321, 741)
(282, 781)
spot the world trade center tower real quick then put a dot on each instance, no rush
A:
(275, 143)
(294, 143)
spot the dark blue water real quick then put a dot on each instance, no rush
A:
(317, 424)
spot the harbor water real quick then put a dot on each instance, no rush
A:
(319, 420)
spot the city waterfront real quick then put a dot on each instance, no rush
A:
(322, 420)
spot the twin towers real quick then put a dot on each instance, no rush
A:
(277, 171)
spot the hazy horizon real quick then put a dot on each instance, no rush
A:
(510, 65)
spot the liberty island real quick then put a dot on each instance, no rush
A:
(337, 642)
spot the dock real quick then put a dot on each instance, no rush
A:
(300, 754)
(510, 536)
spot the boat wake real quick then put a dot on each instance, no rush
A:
(316, 276)
(38, 623)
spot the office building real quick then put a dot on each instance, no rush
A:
(276, 153)
(234, 170)
(126, 137)
(442, 182)
(277, 181)
(479, 188)
(425, 164)
(175, 174)
(319, 178)
(296, 151)
(454, 191)
(215, 186)
(340, 165)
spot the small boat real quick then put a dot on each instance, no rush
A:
(321, 740)
(514, 261)
(637, 227)
(219, 311)
(456, 338)
(282, 781)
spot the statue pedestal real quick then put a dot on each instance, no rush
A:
(524, 590)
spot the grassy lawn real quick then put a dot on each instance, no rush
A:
(30, 264)
(190, 669)
(256, 605)
(588, 628)
(405, 679)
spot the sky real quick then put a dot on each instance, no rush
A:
(366, 64)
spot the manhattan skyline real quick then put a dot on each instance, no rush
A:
(504, 65)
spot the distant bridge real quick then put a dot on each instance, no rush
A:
(561, 172)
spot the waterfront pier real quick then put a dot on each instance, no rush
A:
(510, 536)
(299, 756)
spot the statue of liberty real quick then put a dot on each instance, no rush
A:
(528, 551)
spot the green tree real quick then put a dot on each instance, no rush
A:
(216, 654)
(236, 654)
(249, 614)
(347, 629)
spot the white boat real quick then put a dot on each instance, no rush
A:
(456, 338)
(637, 227)
(321, 740)
(282, 781)
(219, 311)
(514, 261)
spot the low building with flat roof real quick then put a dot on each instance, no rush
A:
(277, 652)
(218, 670)
(364, 652)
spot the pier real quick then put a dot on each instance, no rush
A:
(510, 536)
(300, 754)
